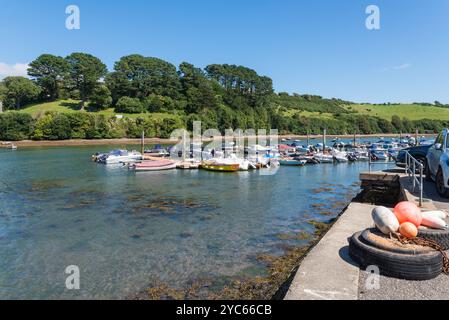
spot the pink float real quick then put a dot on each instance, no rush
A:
(408, 212)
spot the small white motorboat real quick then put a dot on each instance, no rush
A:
(339, 156)
(324, 158)
(189, 164)
(120, 156)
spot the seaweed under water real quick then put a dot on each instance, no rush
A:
(280, 271)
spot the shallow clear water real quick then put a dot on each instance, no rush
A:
(125, 230)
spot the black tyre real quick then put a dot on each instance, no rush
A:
(439, 182)
(375, 238)
(439, 236)
(424, 266)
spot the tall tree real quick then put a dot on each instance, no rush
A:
(197, 88)
(145, 76)
(18, 91)
(49, 70)
(84, 74)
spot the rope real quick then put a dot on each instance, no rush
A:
(427, 243)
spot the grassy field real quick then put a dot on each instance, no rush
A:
(307, 114)
(70, 106)
(410, 111)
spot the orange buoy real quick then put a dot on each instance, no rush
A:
(408, 230)
(408, 212)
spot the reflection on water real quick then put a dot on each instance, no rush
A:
(126, 230)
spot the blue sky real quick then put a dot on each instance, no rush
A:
(315, 46)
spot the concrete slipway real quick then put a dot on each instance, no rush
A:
(328, 273)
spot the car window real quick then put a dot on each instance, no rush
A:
(439, 139)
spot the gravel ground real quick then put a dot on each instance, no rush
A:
(395, 289)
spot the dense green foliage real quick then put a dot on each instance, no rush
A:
(222, 96)
(84, 73)
(129, 105)
(59, 126)
(48, 71)
(15, 126)
(19, 91)
(101, 98)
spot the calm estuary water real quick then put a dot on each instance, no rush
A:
(126, 230)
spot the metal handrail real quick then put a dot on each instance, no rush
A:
(411, 164)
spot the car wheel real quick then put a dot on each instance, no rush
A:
(439, 181)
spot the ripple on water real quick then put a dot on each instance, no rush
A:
(195, 234)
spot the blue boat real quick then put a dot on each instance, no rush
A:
(292, 162)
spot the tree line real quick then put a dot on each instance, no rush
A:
(222, 96)
(136, 84)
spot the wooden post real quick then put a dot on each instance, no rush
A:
(308, 139)
(355, 139)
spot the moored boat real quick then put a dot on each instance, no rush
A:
(339, 156)
(157, 151)
(324, 158)
(379, 155)
(154, 165)
(292, 162)
(190, 164)
(222, 167)
(118, 156)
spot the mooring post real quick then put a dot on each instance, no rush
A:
(324, 140)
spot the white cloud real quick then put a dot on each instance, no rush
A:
(397, 68)
(402, 66)
(18, 69)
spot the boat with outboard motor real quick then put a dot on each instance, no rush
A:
(118, 156)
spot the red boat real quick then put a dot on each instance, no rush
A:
(154, 165)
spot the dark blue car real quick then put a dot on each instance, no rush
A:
(418, 152)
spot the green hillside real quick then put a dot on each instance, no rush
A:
(72, 106)
(409, 111)
(78, 97)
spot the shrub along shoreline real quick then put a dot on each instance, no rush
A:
(17, 126)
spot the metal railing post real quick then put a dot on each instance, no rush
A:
(410, 170)
(421, 185)
(414, 176)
